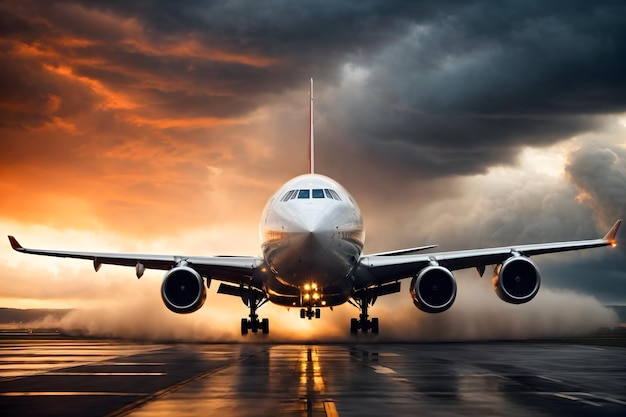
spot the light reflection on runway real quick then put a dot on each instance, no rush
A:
(115, 379)
(28, 357)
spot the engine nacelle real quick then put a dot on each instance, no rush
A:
(516, 280)
(434, 289)
(183, 290)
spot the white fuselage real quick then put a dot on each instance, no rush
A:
(312, 237)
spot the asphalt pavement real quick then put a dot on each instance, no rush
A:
(78, 377)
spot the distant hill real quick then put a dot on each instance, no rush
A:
(16, 316)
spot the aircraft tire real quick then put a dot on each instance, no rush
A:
(354, 326)
(265, 326)
(375, 325)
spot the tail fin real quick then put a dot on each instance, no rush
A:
(311, 136)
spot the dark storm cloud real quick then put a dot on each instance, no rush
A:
(467, 89)
(453, 87)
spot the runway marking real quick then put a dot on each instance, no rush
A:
(573, 398)
(70, 394)
(23, 360)
(106, 373)
(331, 410)
(599, 397)
(483, 375)
(379, 369)
(613, 400)
(129, 364)
(158, 394)
(588, 347)
(549, 379)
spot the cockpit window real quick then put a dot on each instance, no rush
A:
(335, 195)
(314, 193)
(288, 195)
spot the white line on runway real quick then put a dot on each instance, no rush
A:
(70, 393)
(382, 369)
(106, 373)
(549, 379)
(574, 398)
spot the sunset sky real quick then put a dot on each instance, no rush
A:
(165, 127)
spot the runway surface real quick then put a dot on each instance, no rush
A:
(64, 377)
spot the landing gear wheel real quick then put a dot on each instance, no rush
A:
(302, 313)
(362, 300)
(244, 327)
(265, 326)
(354, 326)
(375, 325)
(253, 298)
(318, 313)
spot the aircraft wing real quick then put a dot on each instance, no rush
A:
(235, 269)
(382, 269)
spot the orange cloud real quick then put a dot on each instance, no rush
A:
(106, 139)
(192, 48)
(112, 99)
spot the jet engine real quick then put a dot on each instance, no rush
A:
(183, 290)
(516, 280)
(434, 289)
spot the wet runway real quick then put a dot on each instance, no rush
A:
(64, 377)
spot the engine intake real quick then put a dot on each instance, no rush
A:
(434, 289)
(516, 280)
(183, 290)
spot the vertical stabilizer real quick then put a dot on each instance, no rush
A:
(311, 135)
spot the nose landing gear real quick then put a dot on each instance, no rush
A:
(309, 313)
(312, 299)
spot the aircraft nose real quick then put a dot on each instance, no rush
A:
(311, 231)
(311, 221)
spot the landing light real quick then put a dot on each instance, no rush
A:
(316, 296)
(306, 296)
(307, 287)
(613, 244)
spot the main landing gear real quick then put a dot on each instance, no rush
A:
(362, 300)
(254, 299)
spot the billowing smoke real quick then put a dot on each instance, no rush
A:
(479, 315)
(476, 315)
(598, 171)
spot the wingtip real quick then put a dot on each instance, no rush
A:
(612, 234)
(15, 244)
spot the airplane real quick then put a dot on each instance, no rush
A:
(312, 239)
